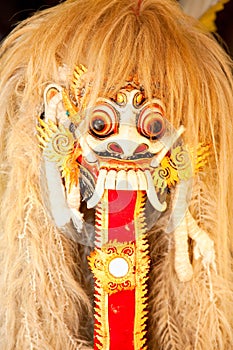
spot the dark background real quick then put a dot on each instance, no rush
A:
(13, 11)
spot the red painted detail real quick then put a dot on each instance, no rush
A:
(141, 148)
(92, 168)
(121, 215)
(114, 147)
(121, 310)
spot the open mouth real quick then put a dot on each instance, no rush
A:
(134, 157)
(112, 178)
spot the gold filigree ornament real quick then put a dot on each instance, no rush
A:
(75, 100)
(200, 156)
(180, 164)
(59, 146)
(114, 266)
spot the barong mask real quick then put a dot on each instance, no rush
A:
(123, 143)
(117, 144)
(121, 158)
(116, 201)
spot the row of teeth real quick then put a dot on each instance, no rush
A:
(125, 180)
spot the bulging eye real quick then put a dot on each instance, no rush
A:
(103, 121)
(151, 123)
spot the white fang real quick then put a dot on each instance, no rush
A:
(110, 183)
(121, 180)
(152, 195)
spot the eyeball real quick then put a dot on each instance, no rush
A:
(103, 121)
(151, 123)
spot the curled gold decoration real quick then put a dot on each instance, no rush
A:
(180, 164)
(126, 285)
(165, 175)
(111, 250)
(56, 140)
(62, 143)
(165, 172)
(59, 146)
(100, 260)
(180, 158)
(128, 250)
(173, 168)
(112, 287)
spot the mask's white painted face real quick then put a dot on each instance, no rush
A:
(124, 138)
(127, 129)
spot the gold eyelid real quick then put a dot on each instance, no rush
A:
(138, 100)
(120, 98)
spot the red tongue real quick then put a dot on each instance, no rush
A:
(121, 314)
(121, 207)
(121, 305)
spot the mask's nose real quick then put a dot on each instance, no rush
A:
(142, 148)
(127, 149)
(115, 148)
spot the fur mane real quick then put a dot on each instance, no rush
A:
(43, 291)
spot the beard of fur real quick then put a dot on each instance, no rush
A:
(45, 297)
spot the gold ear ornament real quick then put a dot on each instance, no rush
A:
(59, 146)
(74, 99)
(180, 164)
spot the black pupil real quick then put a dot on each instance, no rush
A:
(156, 127)
(98, 124)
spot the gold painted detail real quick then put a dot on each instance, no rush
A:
(121, 99)
(101, 296)
(74, 99)
(71, 109)
(200, 156)
(77, 84)
(180, 164)
(101, 317)
(209, 17)
(59, 146)
(173, 168)
(114, 266)
(101, 221)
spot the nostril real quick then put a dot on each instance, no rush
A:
(141, 148)
(114, 147)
